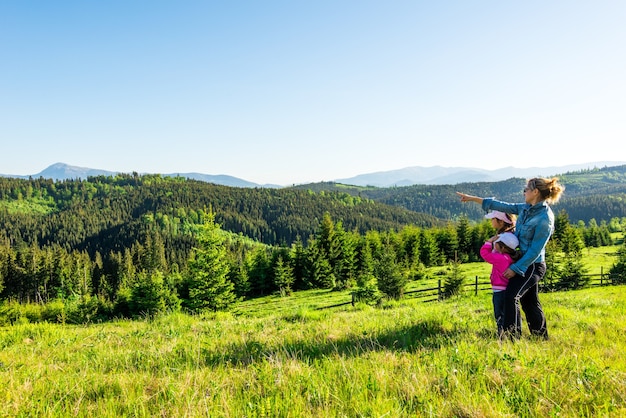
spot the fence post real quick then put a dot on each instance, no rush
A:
(601, 275)
(439, 291)
(353, 298)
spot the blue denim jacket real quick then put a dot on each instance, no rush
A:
(534, 227)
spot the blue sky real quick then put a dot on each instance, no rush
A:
(290, 92)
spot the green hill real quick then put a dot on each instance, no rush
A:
(104, 213)
(598, 194)
(119, 246)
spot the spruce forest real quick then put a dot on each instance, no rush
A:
(137, 245)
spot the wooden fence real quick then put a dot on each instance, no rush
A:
(436, 293)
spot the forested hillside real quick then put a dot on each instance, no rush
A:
(108, 237)
(105, 213)
(598, 194)
(134, 245)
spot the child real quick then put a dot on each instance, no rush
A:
(500, 251)
(502, 222)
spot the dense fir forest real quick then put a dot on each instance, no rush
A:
(598, 194)
(137, 245)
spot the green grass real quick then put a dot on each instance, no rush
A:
(282, 357)
(409, 359)
(600, 259)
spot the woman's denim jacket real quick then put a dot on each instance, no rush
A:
(534, 226)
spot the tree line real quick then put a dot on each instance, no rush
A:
(138, 245)
(223, 267)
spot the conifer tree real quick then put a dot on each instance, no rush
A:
(572, 271)
(97, 275)
(561, 224)
(298, 256)
(319, 271)
(5, 254)
(239, 276)
(366, 285)
(347, 265)
(453, 283)
(429, 252)
(283, 276)
(447, 242)
(464, 240)
(618, 270)
(553, 268)
(390, 279)
(259, 274)
(209, 287)
(149, 295)
(154, 253)
(330, 248)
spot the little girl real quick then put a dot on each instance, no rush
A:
(502, 222)
(500, 251)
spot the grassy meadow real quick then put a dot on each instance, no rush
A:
(409, 358)
(279, 357)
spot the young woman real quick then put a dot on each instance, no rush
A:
(534, 227)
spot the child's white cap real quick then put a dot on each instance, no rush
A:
(509, 239)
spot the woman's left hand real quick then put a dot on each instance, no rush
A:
(509, 274)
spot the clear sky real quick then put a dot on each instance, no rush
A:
(303, 91)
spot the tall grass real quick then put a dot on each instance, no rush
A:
(408, 359)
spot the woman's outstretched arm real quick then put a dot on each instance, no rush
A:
(470, 198)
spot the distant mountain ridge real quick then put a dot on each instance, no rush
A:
(62, 171)
(436, 175)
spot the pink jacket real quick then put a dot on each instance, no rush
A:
(500, 262)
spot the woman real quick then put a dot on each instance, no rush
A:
(534, 226)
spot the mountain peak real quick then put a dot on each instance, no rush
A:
(62, 171)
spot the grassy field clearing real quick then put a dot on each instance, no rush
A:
(280, 357)
(597, 261)
(410, 359)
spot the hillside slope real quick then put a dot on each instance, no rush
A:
(598, 194)
(105, 213)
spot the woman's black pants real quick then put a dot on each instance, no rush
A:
(524, 291)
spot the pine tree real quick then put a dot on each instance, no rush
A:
(572, 271)
(430, 254)
(283, 276)
(618, 270)
(298, 255)
(390, 279)
(453, 283)
(329, 247)
(238, 275)
(259, 274)
(346, 263)
(447, 242)
(319, 271)
(209, 287)
(553, 269)
(5, 254)
(464, 239)
(148, 295)
(366, 286)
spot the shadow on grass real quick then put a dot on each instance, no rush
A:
(423, 335)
